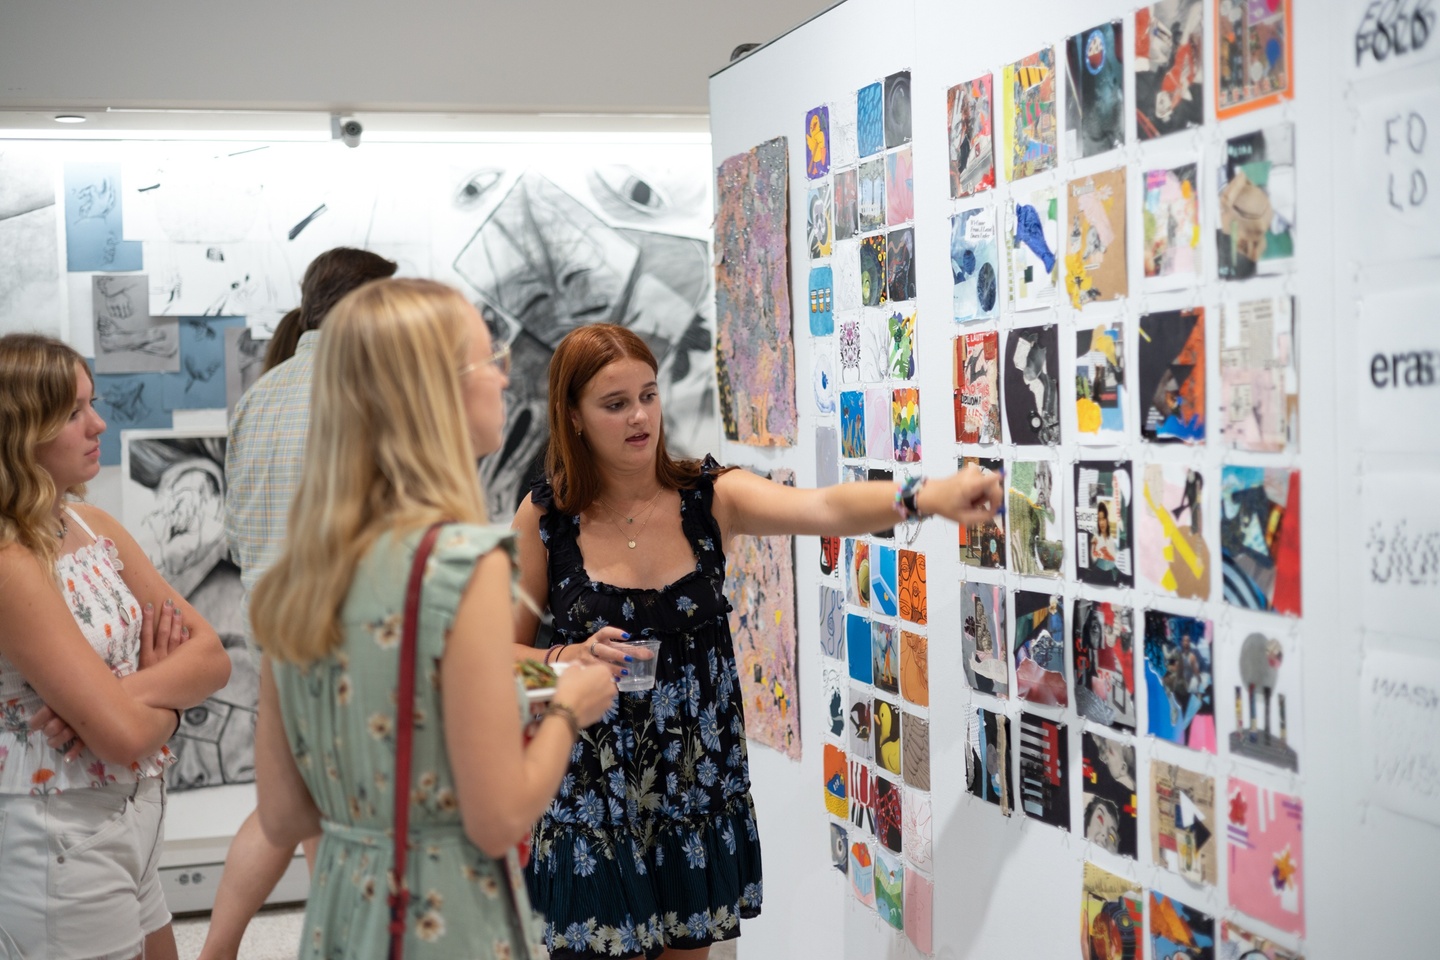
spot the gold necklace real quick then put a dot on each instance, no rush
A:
(648, 504)
(648, 511)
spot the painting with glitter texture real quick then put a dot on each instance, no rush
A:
(754, 355)
(761, 574)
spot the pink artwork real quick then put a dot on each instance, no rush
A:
(761, 572)
(1267, 874)
(899, 187)
(917, 828)
(920, 910)
(754, 354)
(879, 435)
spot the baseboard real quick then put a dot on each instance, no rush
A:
(190, 872)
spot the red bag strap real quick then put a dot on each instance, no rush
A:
(404, 741)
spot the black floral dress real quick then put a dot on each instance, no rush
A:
(652, 841)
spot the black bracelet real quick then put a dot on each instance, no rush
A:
(179, 719)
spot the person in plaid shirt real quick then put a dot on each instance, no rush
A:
(262, 469)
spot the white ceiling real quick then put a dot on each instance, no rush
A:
(536, 57)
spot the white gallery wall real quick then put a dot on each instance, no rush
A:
(1363, 281)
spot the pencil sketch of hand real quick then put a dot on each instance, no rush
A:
(114, 338)
(115, 296)
(94, 201)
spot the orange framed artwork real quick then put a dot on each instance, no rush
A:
(1254, 55)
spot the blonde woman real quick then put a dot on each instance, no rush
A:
(98, 656)
(408, 394)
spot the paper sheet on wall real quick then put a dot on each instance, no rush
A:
(1400, 591)
(1400, 731)
(251, 280)
(1395, 206)
(1398, 359)
(30, 295)
(1390, 36)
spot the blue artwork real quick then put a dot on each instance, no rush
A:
(1179, 680)
(870, 122)
(974, 264)
(884, 588)
(129, 401)
(1095, 104)
(1030, 233)
(857, 644)
(93, 222)
(822, 301)
(852, 423)
(200, 384)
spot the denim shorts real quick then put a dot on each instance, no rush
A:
(81, 872)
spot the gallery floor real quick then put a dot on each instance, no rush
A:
(275, 934)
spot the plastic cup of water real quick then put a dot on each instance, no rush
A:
(644, 654)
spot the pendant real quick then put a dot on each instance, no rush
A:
(632, 544)
(629, 519)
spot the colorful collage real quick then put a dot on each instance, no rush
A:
(878, 739)
(1115, 490)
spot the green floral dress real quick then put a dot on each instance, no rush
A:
(339, 716)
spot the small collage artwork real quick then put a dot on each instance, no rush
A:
(1140, 587)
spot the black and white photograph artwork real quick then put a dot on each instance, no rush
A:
(127, 338)
(543, 262)
(174, 504)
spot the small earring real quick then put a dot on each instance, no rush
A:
(579, 432)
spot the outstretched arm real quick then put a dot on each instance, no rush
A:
(748, 505)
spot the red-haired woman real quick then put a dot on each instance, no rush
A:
(651, 848)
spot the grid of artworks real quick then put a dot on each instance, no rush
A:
(873, 595)
(874, 656)
(1128, 625)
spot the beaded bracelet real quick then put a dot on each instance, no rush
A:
(907, 495)
(566, 714)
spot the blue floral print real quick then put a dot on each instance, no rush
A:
(657, 807)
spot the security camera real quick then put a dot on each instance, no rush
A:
(346, 129)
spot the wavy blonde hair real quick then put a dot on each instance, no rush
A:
(37, 395)
(388, 449)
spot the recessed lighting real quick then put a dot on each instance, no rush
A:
(69, 118)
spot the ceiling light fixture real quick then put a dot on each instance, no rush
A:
(69, 118)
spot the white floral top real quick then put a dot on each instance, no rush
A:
(109, 616)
